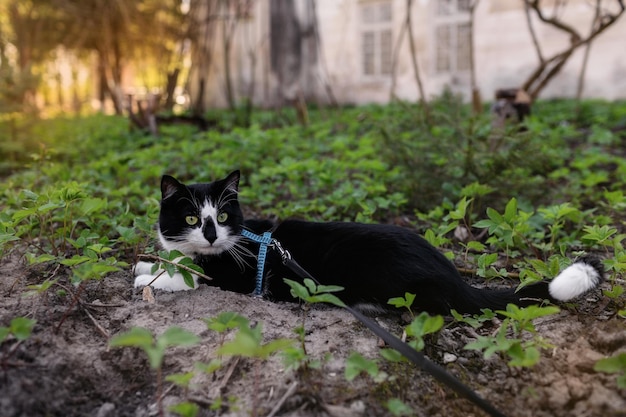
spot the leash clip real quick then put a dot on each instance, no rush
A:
(284, 253)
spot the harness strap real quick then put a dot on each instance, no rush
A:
(418, 358)
(263, 240)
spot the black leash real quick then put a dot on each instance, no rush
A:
(418, 358)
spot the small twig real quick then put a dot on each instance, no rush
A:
(228, 374)
(167, 391)
(10, 290)
(75, 300)
(287, 394)
(167, 261)
(101, 329)
(84, 307)
(92, 305)
(201, 401)
(473, 272)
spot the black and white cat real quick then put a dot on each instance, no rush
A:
(372, 262)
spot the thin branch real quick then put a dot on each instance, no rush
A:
(549, 68)
(476, 101)
(394, 62)
(320, 52)
(290, 390)
(418, 78)
(533, 34)
(534, 4)
(167, 261)
(583, 70)
(101, 329)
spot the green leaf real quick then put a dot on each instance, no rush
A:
(510, 211)
(461, 209)
(185, 409)
(615, 292)
(310, 285)
(34, 260)
(247, 342)
(8, 237)
(182, 380)
(297, 290)
(356, 363)
(424, 324)
(209, 368)
(475, 246)
(523, 357)
(4, 333)
(328, 288)
(613, 364)
(311, 293)
(398, 409)
(392, 355)
(21, 327)
(155, 350)
(136, 336)
(92, 205)
(187, 278)
(326, 298)
(170, 269)
(225, 321)
(399, 302)
(75, 260)
(43, 287)
(22, 214)
(177, 336)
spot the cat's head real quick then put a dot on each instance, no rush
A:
(200, 218)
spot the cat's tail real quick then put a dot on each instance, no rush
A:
(584, 275)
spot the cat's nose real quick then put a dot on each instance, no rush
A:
(209, 231)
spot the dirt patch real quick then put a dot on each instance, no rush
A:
(67, 369)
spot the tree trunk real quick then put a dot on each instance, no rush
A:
(170, 89)
(229, 24)
(477, 106)
(285, 47)
(418, 78)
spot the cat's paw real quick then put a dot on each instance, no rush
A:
(160, 279)
(143, 268)
(144, 280)
(165, 282)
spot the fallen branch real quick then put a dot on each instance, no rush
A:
(76, 301)
(292, 388)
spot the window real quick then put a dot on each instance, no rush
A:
(452, 36)
(376, 40)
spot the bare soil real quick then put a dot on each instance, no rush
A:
(66, 367)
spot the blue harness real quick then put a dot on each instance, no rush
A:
(264, 241)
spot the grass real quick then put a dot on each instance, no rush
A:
(81, 195)
(539, 194)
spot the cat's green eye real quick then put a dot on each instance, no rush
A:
(222, 217)
(191, 220)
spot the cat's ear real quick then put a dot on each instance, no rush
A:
(232, 181)
(169, 186)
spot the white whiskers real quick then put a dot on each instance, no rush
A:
(239, 252)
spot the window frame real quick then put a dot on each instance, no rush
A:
(455, 17)
(374, 53)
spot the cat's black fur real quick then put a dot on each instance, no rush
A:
(372, 262)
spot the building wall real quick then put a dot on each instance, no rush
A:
(504, 54)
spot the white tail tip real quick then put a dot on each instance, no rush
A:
(583, 275)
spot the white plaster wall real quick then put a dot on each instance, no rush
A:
(504, 53)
